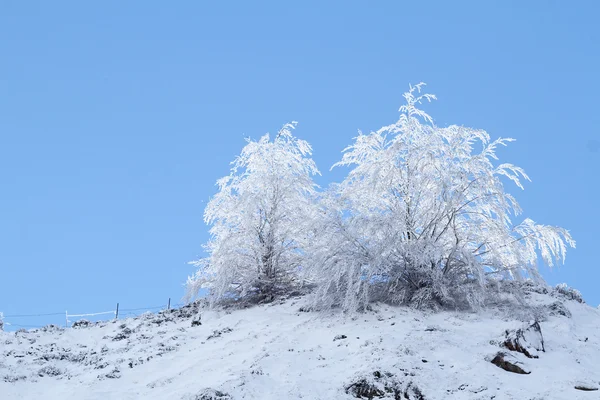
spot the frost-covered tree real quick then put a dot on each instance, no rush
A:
(261, 221)
(423, 218)
(1, 321)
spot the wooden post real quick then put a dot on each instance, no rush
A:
(169, 305)
(117, 312)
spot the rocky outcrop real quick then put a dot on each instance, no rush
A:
(82, 323)
(197, 320)
(559, 309)
(212, 394)
(383, 385)
(528, 341)
(509, 363)
(586, 387)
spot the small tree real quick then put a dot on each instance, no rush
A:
(261, 221)
(1, 321)
(423, 218)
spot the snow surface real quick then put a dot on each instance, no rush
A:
(276, 351)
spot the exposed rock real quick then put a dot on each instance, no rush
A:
(412, 392)
(212, 394)
(586, 388)
(528, 341)
(434, 328)
(48, 328)
(340, 337)
(196, 320)
(218, 333)
(114, 374)
(124, 334)
(363, 389)
(134, 362)
(509, 363)
(64, 355)
(49, 370)
(82, 323)
(383, 385)
(185, 312)
(563, 290)
(159, 383)
(532, 287)
(558, 309)
(14, 378)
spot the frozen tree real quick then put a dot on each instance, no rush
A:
(423, 218)
(261, 221)
(1, 321)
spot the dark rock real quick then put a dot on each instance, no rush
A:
(363, 389)
(567, 292)
(218, 333)
(532, 287)
(133, 362)
(185, 312)
(557, 308)
(340, 337)
(114, 374)
(212, 394)
(101, 365)
(82, 323)
(586, 388)
(124, 334)
(51, 328)
(49, 370)
(500, 360)
(383, 385)
(196, 320)
(161, 320)
(14, 378)
(64, 355)
(257, 371)
(412, 392)
(527, 341)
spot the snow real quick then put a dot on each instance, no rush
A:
(275, 351)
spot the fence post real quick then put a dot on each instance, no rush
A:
(117, 312)
(169, 305)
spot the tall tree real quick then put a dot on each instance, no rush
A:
(423, 218)
(261, 221)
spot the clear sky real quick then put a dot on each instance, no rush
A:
(116, 119)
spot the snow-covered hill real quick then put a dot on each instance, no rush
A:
(278, 351)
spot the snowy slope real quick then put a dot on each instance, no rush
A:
(276, 351)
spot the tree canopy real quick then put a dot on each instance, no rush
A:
(422, 218)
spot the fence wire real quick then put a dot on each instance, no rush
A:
(65, 320)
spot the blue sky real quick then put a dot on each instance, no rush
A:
(116, 119)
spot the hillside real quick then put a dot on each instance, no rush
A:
(277, 351)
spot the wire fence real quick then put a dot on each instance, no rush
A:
(10, 322)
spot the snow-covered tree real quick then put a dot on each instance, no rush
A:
(1, 321)
(261, 221)
(423, 218)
